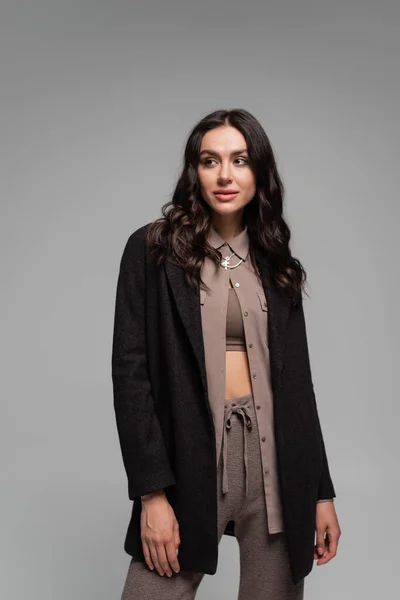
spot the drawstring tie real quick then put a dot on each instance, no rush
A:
(244, 412)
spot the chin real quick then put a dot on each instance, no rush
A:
(225, 209)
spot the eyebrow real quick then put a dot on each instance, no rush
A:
(213, 153)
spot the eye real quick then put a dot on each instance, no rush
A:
(206, 161)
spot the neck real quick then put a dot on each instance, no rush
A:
(228, 226)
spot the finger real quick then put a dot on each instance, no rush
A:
(162, 557)
(326, 546)
(329, 553)
(176, 536)
(320, 541)
(325, 559)
(316, 553)
(172, 558)
(333, 542)
(155, 559)
(147, 556)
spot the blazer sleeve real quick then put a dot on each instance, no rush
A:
(140, 435)
(326, 488)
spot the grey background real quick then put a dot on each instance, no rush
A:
(97, 99)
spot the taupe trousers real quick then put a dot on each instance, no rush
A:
(264, 564)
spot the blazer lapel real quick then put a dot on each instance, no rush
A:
(188, 306)
(279, 307)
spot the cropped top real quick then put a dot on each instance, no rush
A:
(235, 336)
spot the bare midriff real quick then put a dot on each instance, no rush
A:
(237, 379)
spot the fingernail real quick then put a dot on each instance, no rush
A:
(320, 550)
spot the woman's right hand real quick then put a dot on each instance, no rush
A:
(159, 533)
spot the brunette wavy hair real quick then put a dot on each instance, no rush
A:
(181, 233)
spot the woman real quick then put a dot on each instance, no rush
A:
(213, 394)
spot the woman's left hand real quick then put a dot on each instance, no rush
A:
(327, 522)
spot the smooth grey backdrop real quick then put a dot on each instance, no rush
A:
(97, 99)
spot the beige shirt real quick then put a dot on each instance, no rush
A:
(253, 303)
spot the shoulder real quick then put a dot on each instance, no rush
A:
(137, 238)
(136, 241)
(135, 247)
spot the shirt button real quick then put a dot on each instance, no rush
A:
(263, 439)
(246, 313)
(237, 284)
(254, 375)
(250, 345)
(258, 407)
(266, 471)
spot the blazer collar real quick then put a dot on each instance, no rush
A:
(238, 244)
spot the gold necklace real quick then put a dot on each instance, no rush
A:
(225, 262)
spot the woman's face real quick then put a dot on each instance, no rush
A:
(224, 165)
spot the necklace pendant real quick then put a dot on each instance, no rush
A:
(225, 262)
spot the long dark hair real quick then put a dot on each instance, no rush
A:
(181, 233)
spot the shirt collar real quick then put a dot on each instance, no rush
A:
(238, 244)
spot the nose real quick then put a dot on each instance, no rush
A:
(225, 173)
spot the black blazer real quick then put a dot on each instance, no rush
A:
(164, 421)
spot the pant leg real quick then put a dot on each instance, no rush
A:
(264, 562)
(143, 584)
